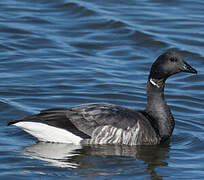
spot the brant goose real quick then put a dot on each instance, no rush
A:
(104, 123)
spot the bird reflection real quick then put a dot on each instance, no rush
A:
(78, 156)
(54, 153)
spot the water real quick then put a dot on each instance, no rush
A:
(65, 53)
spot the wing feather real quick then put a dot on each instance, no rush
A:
(90, 116)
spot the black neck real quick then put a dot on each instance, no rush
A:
(158, 108)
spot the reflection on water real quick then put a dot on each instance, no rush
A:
(76, 156)
(54, 153)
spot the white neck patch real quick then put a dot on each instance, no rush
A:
(153, 83)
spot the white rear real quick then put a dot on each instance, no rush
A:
(44, 132)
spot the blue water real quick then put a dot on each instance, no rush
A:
(65, 53)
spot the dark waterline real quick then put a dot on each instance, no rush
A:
(65, 53)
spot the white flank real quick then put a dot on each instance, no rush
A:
(44, 132)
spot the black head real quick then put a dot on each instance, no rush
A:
(168, 64)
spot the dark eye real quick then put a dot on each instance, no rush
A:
(173, 59)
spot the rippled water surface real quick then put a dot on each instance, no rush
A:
(65, 53)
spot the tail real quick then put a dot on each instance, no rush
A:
(50, 125)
